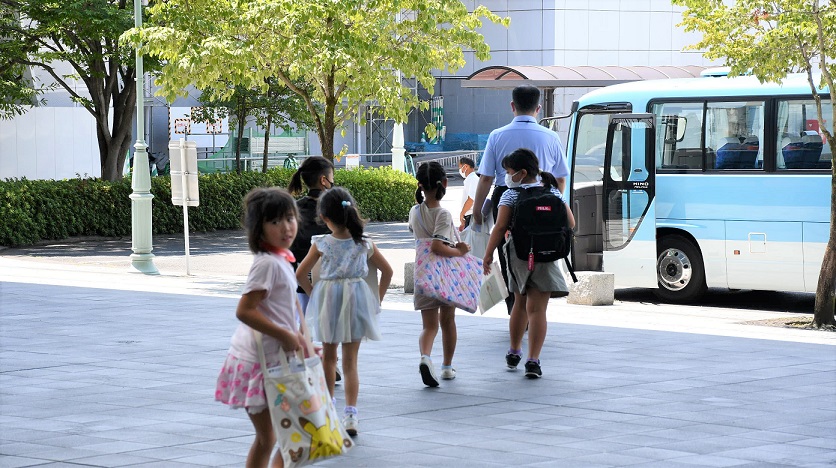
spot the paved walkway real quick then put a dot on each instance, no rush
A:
(99, 367)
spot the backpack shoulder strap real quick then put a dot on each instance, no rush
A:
(520, 191)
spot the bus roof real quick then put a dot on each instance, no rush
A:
(640, 92)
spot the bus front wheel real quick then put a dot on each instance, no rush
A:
(679, 270)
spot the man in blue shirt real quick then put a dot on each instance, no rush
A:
(522, 132)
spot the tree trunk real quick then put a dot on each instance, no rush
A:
(103, 138)
(824, 312)
(266, 141)
(329, 126)
(124, 110)
(114, 138)
(241, 115)
(326, 143)
(825, 308)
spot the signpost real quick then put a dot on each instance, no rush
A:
(184, 190)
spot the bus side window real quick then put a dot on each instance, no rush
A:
(678, 148)
(800, 146)
(733, 135)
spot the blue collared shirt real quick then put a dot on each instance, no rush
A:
(523, 132)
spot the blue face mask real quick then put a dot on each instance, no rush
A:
(509, 180)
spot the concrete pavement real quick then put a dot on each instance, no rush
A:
(100, 367)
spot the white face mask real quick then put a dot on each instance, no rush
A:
(509, 180)
(461, 173)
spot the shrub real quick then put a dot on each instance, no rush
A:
(35, 210)
(382, 194)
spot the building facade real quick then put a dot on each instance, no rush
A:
(541, 33)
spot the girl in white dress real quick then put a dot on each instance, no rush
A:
(343, 309)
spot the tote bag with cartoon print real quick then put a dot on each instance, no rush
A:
(306, 423)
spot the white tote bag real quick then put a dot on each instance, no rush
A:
(305, 421)
(493, 289)
(477, 240)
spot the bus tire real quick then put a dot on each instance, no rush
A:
(679, 270)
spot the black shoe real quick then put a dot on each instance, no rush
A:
(512, 360)
(337, 377)
(532, 370)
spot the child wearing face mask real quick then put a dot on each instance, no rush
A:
(531, 287)
(317, 173)
(471, 180)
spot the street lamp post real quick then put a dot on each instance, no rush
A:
(142, 260)
(398, 151)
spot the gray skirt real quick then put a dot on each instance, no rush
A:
(421, 302)
(545, 277)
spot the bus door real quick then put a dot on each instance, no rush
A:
(629, 209)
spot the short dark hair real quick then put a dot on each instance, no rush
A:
(265, 204)
(468, 161)
(526, 98)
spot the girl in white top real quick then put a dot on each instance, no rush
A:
(428, 220)
(343, 309)
(268, 304)
(531, 289)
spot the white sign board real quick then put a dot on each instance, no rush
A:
(352, 161)
(184, 124)
(183, 172)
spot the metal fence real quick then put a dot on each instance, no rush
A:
(448, 159)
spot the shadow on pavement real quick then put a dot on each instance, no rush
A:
(801, 303)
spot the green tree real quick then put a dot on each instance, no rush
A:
(274, 105)
(770, 39)
(17, 92)
(81, 34)
(344, 52)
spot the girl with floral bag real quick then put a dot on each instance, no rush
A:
(428, 220)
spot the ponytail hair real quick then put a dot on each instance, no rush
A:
(523, 158)
(431, 176)
(548, 180)
(312, 168)
(340, 208)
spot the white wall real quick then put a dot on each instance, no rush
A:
(49, 143)
(585, 32)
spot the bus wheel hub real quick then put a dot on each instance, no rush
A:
(674, 269)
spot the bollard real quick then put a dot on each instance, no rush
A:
(409, 277)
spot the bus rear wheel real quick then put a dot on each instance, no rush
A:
(679, 270)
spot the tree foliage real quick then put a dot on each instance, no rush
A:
(276, 105)
(344, 53)
(770, 39)
(81, 36)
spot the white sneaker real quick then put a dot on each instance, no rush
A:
(350, 423)
(428, 374)
(448, 374)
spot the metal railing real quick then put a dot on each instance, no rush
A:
(448, 159)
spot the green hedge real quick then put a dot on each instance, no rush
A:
(35, 210)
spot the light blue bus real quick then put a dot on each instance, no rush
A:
(685, 184)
